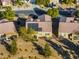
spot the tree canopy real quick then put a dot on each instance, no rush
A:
(13, 47)
(47, 51)
(77, 13)
(18, 2)
(68, 1)
(9, 14)
(24, 31)
(27, 34)
(30, 31)
(54, 12)
(1, 14)
(43, 2)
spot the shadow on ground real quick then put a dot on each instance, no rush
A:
(38, 48)
(21, 22)
(39, 11)
(6, 45)
(71, 46)
(59, 49)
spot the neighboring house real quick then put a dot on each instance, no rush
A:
(6, 2)
(42, 26)
(67, 29)
(8, 28)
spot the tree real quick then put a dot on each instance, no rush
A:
(46, 2)
(13, 47)
(39, 2)
(1, 15)
(22, 32)
(18, 2)
(68, 1)
(76, 37)
(9, 14)
(30, 34)
(54, 12)
(77, 13)
(46, 51)
(27, 34)
(43, 2)
(31, 31)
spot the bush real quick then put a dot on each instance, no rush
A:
(27, 35)
(77, 13)
(13, 47)
(21, 57)
(54, 12)
(43, 2)
(46, 51)
(9, 14)
(68, 1)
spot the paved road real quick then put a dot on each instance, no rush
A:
(33, 9)
(23, 13)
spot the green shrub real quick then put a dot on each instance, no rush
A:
(13, 47)
(46, 51)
